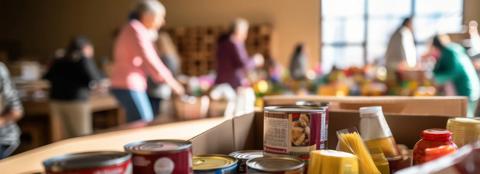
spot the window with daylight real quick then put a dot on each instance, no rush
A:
(356, 32)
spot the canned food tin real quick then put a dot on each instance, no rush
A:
(295, 130)
(244, 156)
(214, 164)
(161, 156)
(277, 165)
(90, 163)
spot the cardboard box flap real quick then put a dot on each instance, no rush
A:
(238, 133)
(219, 139)
(436, 105)
(248, 134)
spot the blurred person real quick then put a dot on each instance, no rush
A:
(401, 51)
(169, 56)
(233, 62)
(474, 50)
(298, 63)
(71, 78)
(454, 65)
(11, 111)
(135, 58)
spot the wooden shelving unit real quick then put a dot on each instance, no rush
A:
(197, 45)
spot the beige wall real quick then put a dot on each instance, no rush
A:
(50, 23)
(293, 21)
(45, 25)
(472, 10)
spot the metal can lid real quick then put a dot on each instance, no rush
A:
(212, 162)
(311, 103)
(283, 109)
(247, 154)
(157, 146)
(84, 160)
(275, 164)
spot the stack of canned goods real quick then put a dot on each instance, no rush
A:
(146, 157)
(290, 134)
(249, 161)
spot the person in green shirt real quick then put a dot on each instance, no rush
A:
(454, 65)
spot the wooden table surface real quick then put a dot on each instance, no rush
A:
(98, 102)
(31, 161)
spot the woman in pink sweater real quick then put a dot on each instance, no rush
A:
(135, 58)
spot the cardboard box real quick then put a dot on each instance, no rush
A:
(438, 105)
(31, 161)
(189, 108)
(214, 135)
(246, 132)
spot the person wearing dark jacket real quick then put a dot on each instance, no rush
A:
(233, 61)
(298, 63)
(71, 77)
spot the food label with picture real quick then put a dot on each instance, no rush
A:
(294, 133)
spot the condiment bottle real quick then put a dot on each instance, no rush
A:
(379, 159)
(437, 152)
(432, 138)
(376, 132)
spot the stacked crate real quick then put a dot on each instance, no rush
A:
(197, 45)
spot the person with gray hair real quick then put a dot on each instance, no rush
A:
(135, 59)
(233, 61)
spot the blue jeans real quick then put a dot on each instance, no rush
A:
(135, 103)
(155, 102)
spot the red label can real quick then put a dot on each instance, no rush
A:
(161, 156)
(295, 130)
(90, 163)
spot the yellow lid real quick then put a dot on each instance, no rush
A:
(212, 162)
(333, 162)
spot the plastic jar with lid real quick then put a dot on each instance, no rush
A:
(465, 130)
(431, 138)
(375, 131)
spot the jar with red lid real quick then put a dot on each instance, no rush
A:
(432, 138)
